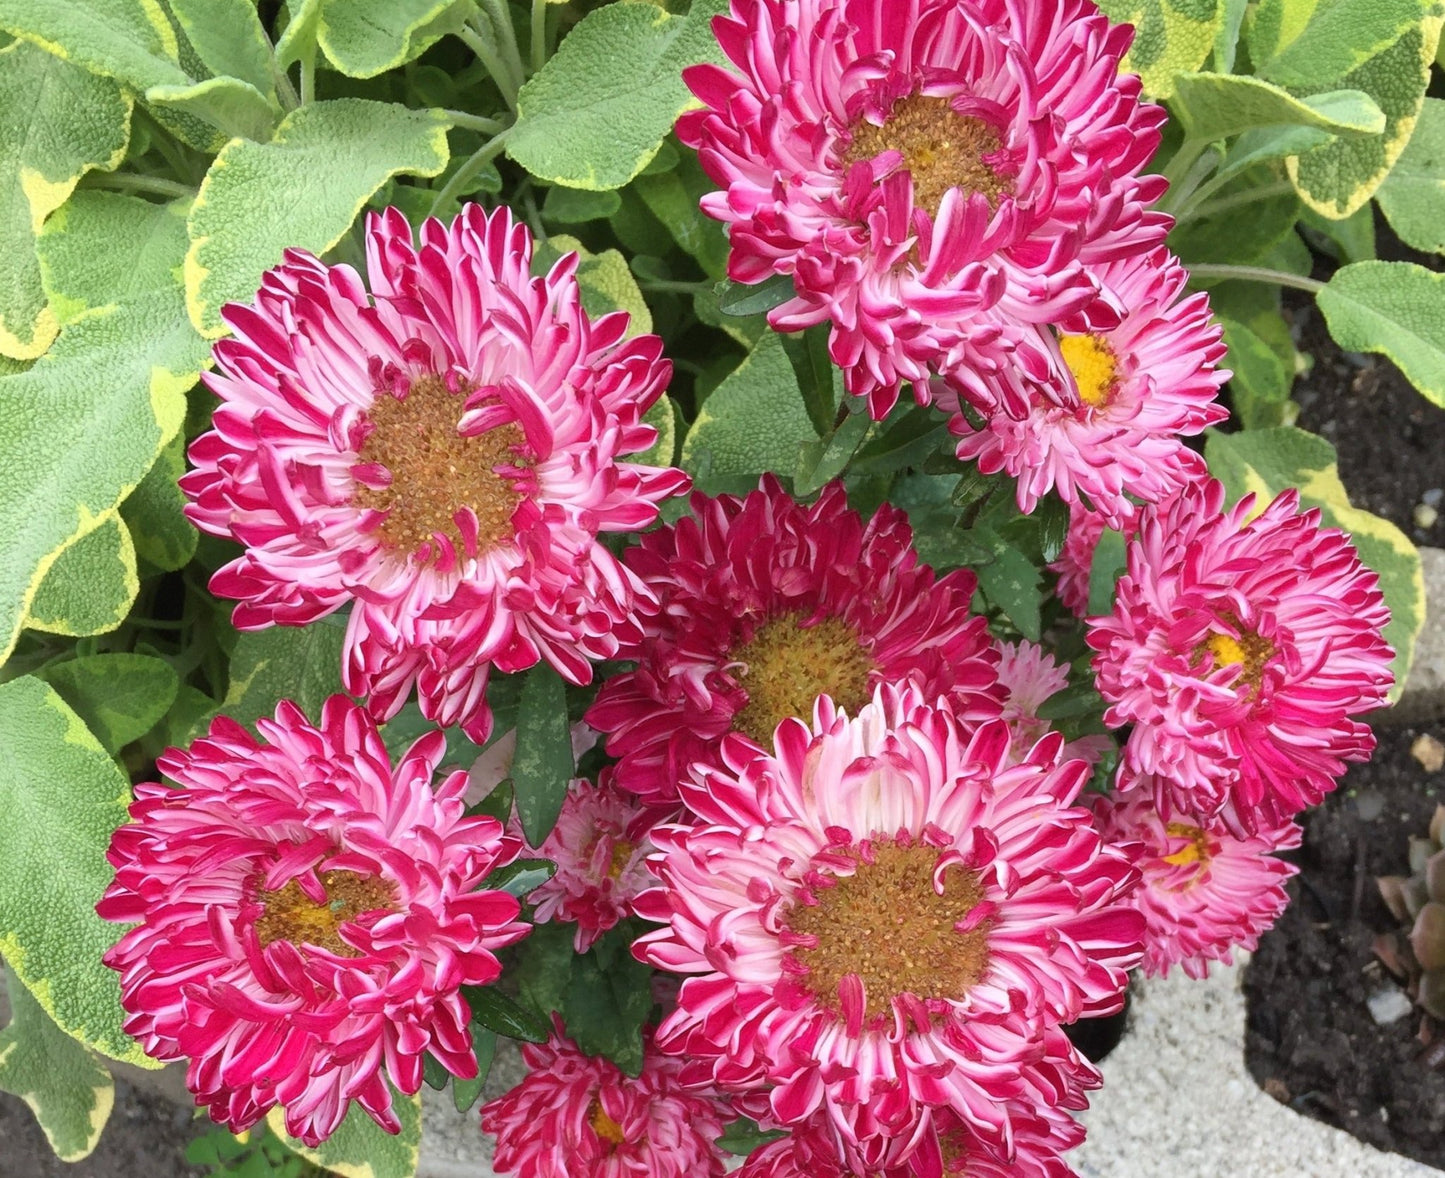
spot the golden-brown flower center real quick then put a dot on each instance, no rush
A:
(888, 925)
(435, 472)
(604, 1126)
(621, 853)
(941, 148)
(1095, 370)
(291, 915)
(1249, 652)
(785, 667)
(1195, 851)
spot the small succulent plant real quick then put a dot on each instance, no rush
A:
(1419, 903)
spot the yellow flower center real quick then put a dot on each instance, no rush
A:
(435, 472)
(1095, 370)
(785, 667)
(941, 149)
(888, 925)
(1249, 652)
(291, 915)
(1195, 851)
(621, 853)
(605, 1127)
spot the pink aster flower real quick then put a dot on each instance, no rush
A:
(1203, 892)
(1130, 394)
(1031, 677)
(307, 914)
(931, 174)
(441, 452)
(884, 919)
(1238, 649)
(767, 604)
(600, 845)
(578, 1116)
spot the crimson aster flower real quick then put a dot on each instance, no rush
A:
(766, 605)
(931, 174)
(1238, 649)
(441, 452)
(600, 845)
(885, 918)
(307, 914)
(578, 1116)
(1203, 892)
(1130, 394)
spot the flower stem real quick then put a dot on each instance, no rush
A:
(486, 126)
(500, 14)
(539, 34)
(130, 182)
(308, 77)
(1258, 274)
(487, 55)
(469, 169)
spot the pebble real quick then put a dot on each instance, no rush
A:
(1433, 497)
(1389, 1005)
(1429, 752)
(1425, 516)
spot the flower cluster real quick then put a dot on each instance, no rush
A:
(844, 822)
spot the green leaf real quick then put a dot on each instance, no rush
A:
(62, 796)
(1396, 309)
(1226, 40)
(298, 40)
(1216, 106)
(132, 41)
(673, 198)
(466, 1093)
(67, 1088)
(818, 380)
(360, 1148)
(1241, 223)
(522, 876)
(598, 111)
(1300, 43)
(1110, 560)
(236, 109)
(576, 206)
(85, 424)
(1349, 240)
(1011, 582)
(1341, 176)
(754, 421)
(824, 460)
(1413, 195)
(604, 1011)
(154, 512)
(743, 1136)
(364, 38)
(1260, 385)
(299, 663)
(544, 967)
(663, 417)
(1268, 461)
(60, 122)
(120, 697)
(543, 764)
(90, 587)
(1170, 37)
(228, 38)
(495, 1011)
(605, 280)
(734, 298)
(302, 190)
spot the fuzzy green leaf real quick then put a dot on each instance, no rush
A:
(1396, 309)
(132, 41)
(154, 512)
(119, 696)
(360, 1148)
(228, 38)
(598, 111)
(1300, 43)
(62, 796)
(236, 109)
(754, 421)
(90, 587)
(543, 764)
(1413, 195)
(364, 38)
(67, 1088)
(604, 1010)
(1260, 384)
(1216, 106)
(1170, 37)
(57, 122)
(1269, 460)
(303, 190)
(81, 429)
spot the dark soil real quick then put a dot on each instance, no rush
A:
(146, 1137)
(1311, 1041)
